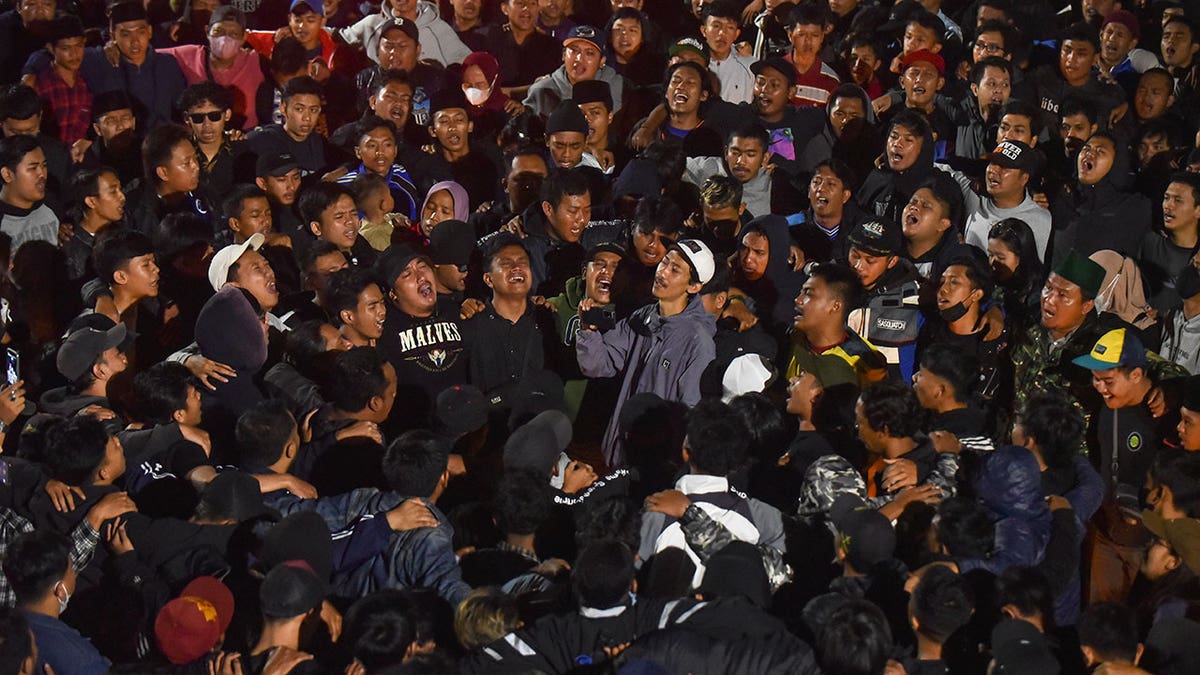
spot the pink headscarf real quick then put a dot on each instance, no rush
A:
(462, 204)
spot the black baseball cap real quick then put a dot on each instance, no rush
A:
(776, 63)
(291, 589)
(461, 409)
(1015, 155)
(878, 236)
(866, 534)
(275, 166)
(83, 347)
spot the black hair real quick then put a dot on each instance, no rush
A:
(1027, 589)
(497, 243)
(1160, 72)
(163, 389)
(288, 56)
(769, 427)
(115, 247)
(1076, 105)
(603, 574)
(379, 630)
(200, 93)
(298, 86)
(965, 528)
(892, 408)
(1055, 424)
(914, 121)
(1161, 127)
(841, 169)
(978, 270)
(415, 462)
(1179, 472)
(522, 502)
(20, 102)
(364, 186)
(753, 130)
(305, 342)
(1004, 6)
(1081, 31)
(158, 146)
(721, 9)
(1110, 629)
(721, 192)
(720, 282)
(1188, 23)
(996, 26)
(1016, 106)
(345, 287)
(863, 38)
(941, 603)
(669, 162)
(958, 367)
(316, 250)
(842, 282)
(370, 122)
(238, 194)
(612, 518)
(261, 434)
(86, 183)
(706, 85)
(180, 233)
(1018, 237)
(75, 449)
(358, 376)
(929, 21)
(14, 148)
(526, 128)
(16, 642)
(316, 199)
(809, 14)
(564, 183)
(854, 640)
(656, 213)
(34, 562)
(716, 438)
(981, 66)
(388, 77)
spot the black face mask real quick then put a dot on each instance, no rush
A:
(1188, 282)
(953, 313)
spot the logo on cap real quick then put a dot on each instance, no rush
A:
(1009, 150)
(873, 228)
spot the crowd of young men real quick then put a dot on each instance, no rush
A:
(565, 336)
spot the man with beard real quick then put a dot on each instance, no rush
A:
(765, 189)
(23, 31)
(117, 143)
(428, 347)
(23, 216)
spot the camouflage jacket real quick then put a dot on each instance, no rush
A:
(706, 536)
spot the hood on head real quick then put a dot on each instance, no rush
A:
(850, 89)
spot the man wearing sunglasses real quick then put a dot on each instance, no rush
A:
(206, 112)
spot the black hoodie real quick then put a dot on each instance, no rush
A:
(886, 192)
(775, 293)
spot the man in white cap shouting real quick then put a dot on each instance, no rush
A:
(662, 348)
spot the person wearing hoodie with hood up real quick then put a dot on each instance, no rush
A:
(1100, 211)
(438, 40)
(906, 162)
(762, 272)
(663, 348)
(849, 134)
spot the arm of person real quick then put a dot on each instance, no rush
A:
(689, 379)
(1060, 562)
(603, 354)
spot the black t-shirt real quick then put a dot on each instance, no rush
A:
(429, 355)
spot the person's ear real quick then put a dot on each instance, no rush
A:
(375, 404)
(548, 209)
(315, 228)
(178, 415)
(470, 127)
(741, 209)
(944, 224)
(346, 316)
(914, 622)
(432, 134)
(262, 184)
(936, 48)
(357, 153)
(1141, 649)
(1173, 562)
(1088, 306)
(161, 172)
(7, 174)
(487, 279)
(233, 222)
(892, 260)
(693, 289)
(1089, 655)
(721, 299)
(228, 114)
(942, 82)
(120, 277)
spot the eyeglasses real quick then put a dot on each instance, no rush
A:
(211, 116)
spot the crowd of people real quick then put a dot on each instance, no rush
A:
(582, 336)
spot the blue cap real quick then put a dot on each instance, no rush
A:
(315, 5)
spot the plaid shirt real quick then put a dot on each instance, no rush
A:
(83, 545)
(70, 106)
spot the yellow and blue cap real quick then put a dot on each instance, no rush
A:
(1115, 349)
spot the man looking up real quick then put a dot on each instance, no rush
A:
(1010, 168)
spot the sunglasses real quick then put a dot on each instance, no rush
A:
(211, 116)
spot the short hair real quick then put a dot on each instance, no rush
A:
(965, 528)
(16, 642)
(86, 183)
(721, 281)
(1110, 629)
(1179, 472)
(957, 367)
(115, 247)
(200, 93)
(841, 169)
(1075, 105)
(163, 389)
(1158, 71)
(719, 192)
(855, 639)
(319, 197)
(20, 102)
(158, 146)
(179, 233)
(564, 183)
(864, 38)
(232, 206)
(415, 462)
(14, 148)
(486, 615)
(1005, 6)
(365, 186)
(288, 56)
(841, 281)
(1081, 31)
(1057, 426)
(344, 288)
(298, 86)
(603, 574)
(75, 449)
(358, 376)
(370, 122)
(497, 243)
(35, 562)
(912, 120)
(706, 85)
(809, 14)
(1027, 589)
(261, 434)
(1170, 132)
(390, 76)
(996, 26)
(1187, 23)
(942, 603)
(892, 408)
(656, 213)
(1016, 106)
(754, 130)
(305, 342)
(522, 503)
(380, 629)
(716, 438)
(309, 255)
(980, 67)
(929, 21)
(721, 9)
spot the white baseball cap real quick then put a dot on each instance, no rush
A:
(698, 256)
(218, 269)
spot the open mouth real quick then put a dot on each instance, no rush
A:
(919, 91)
(1087, 165)
(821, 200)
(680, 98)
(425, 289)
(659, 283)
(454, 139)
(993, 182)
(910, 219)
(896, 157)
(603, 285)
(516, 278)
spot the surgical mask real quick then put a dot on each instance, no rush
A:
(953, 313)
(223, 46)
(1188, 282)
(62, 602)
(477, 96)
(556, 481)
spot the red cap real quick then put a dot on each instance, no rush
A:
(926, 56)
(216, 593)
(187, 629)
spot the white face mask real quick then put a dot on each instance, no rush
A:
(62, 602)
(477, 96)
(223, 46)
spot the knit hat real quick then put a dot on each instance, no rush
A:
(1125, 18)
(189, 626)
